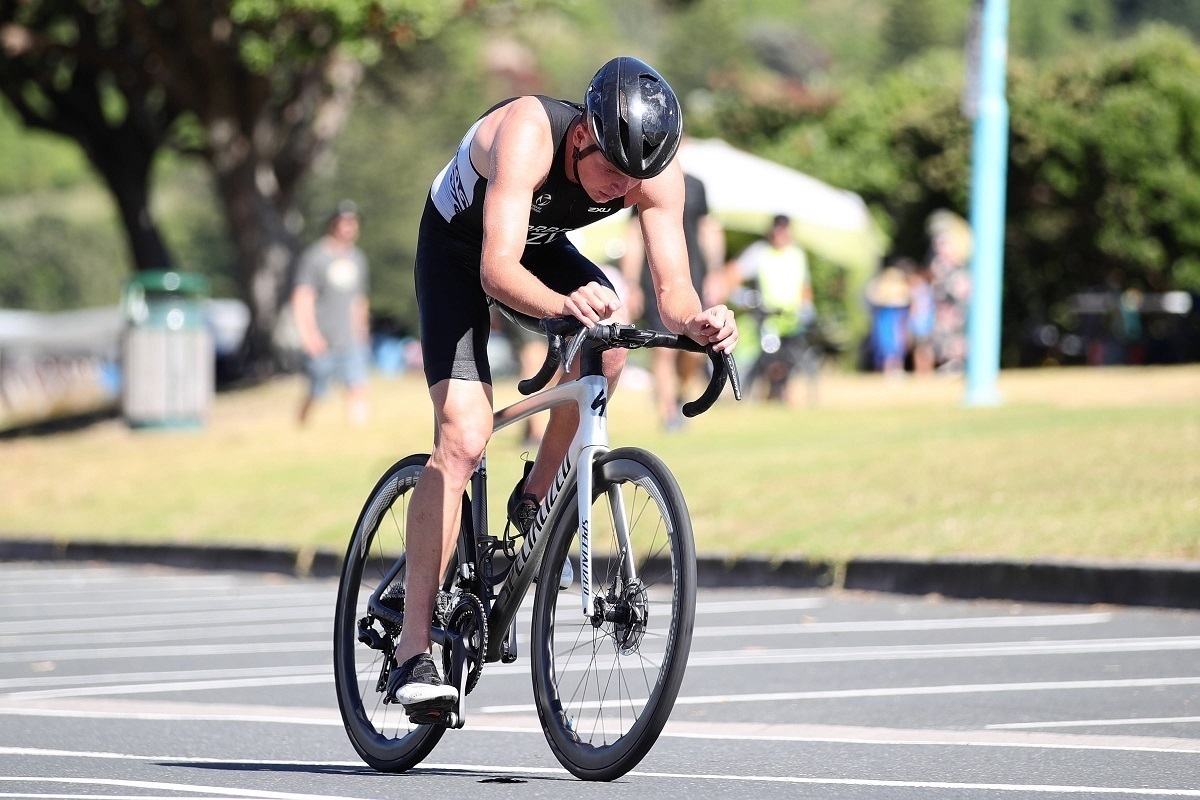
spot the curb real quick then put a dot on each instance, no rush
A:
(1172, 585)
(1163, 584)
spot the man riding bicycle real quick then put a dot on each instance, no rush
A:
(530, 169)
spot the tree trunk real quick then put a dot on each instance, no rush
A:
(264, 250)
(126, 170)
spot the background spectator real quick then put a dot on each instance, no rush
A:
(889, 296)
(706, 253)
(331, 311)
(777, 268)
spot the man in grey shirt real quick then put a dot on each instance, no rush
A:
(329, 303)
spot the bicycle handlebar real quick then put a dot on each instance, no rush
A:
(724, 370)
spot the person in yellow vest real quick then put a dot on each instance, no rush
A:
(778, 268)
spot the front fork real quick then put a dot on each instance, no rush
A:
(583, 486)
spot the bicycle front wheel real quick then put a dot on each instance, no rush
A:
(365, 643)
(605, 683)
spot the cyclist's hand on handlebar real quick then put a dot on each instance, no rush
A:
(591, 304)
(714, 326)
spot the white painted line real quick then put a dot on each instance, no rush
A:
(173, 651)
(137, 603)
(902, 691)
(221, 791)
(48, 796)
(176, 686)
(487, 769)
(1092, 723)
(979, 787)
(180, 619)
(140, 677)
(698, 659)
(330, 720)
(775, 604)
(171, 634)
(876, 626)
(1053, 620)
(937, 651)
(924, 737)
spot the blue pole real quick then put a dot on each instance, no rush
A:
(988, 182)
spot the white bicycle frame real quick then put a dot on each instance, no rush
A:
(589, 394)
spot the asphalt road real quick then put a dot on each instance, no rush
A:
(149, 682)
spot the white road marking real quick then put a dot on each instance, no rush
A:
(137, 603)
(178, 686)
(221, 791)
(876, 626)
(172, 651)
(172, 634)
(765, 604)
(133, 678)
(679, 729)
(180, 679)
(1054, 620)
(973, 650)
(486, 769)
(180, 619)
(1092, 723)
(901, 691)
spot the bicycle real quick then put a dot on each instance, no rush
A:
(802, 350)
(615, 654)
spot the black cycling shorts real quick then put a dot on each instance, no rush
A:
(455, 319)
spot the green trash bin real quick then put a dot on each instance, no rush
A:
(167, 355)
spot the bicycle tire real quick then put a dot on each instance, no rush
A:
(624, 658)
(380, 733)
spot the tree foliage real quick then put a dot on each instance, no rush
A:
(1103, 175)
(256, 88)
(1102, 171)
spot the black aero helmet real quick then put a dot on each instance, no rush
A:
(634, 116)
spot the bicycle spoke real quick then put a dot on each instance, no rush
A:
(605, 695)
(380, 732)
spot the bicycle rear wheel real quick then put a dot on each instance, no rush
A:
(363, 642)
(604, 686)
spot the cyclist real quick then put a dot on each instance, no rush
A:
(530, 169)
(779, 268)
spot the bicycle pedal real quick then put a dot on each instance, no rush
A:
(431, 716)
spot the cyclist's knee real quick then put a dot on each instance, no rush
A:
(460, 444)
(613, 362)
(463, 414)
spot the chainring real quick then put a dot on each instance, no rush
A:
(467, 619)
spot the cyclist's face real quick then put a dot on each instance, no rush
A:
(600, 179)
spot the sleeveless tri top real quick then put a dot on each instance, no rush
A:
(558, 204)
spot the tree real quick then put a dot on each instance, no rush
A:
(1103, 167)
(258, 89)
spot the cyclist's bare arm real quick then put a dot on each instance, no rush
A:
(514, 147)
(660, 212)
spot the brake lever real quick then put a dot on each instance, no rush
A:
(573, 348)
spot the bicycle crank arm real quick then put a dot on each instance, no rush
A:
(457, 678)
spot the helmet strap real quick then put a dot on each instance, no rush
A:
(578, 155)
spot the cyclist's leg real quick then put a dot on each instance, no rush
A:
(462, 426)
(455, 322)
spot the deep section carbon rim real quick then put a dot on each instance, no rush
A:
(381, 733)
(605, 684)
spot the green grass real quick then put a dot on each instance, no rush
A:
(1076, 463)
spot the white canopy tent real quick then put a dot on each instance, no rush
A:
(746, 191)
